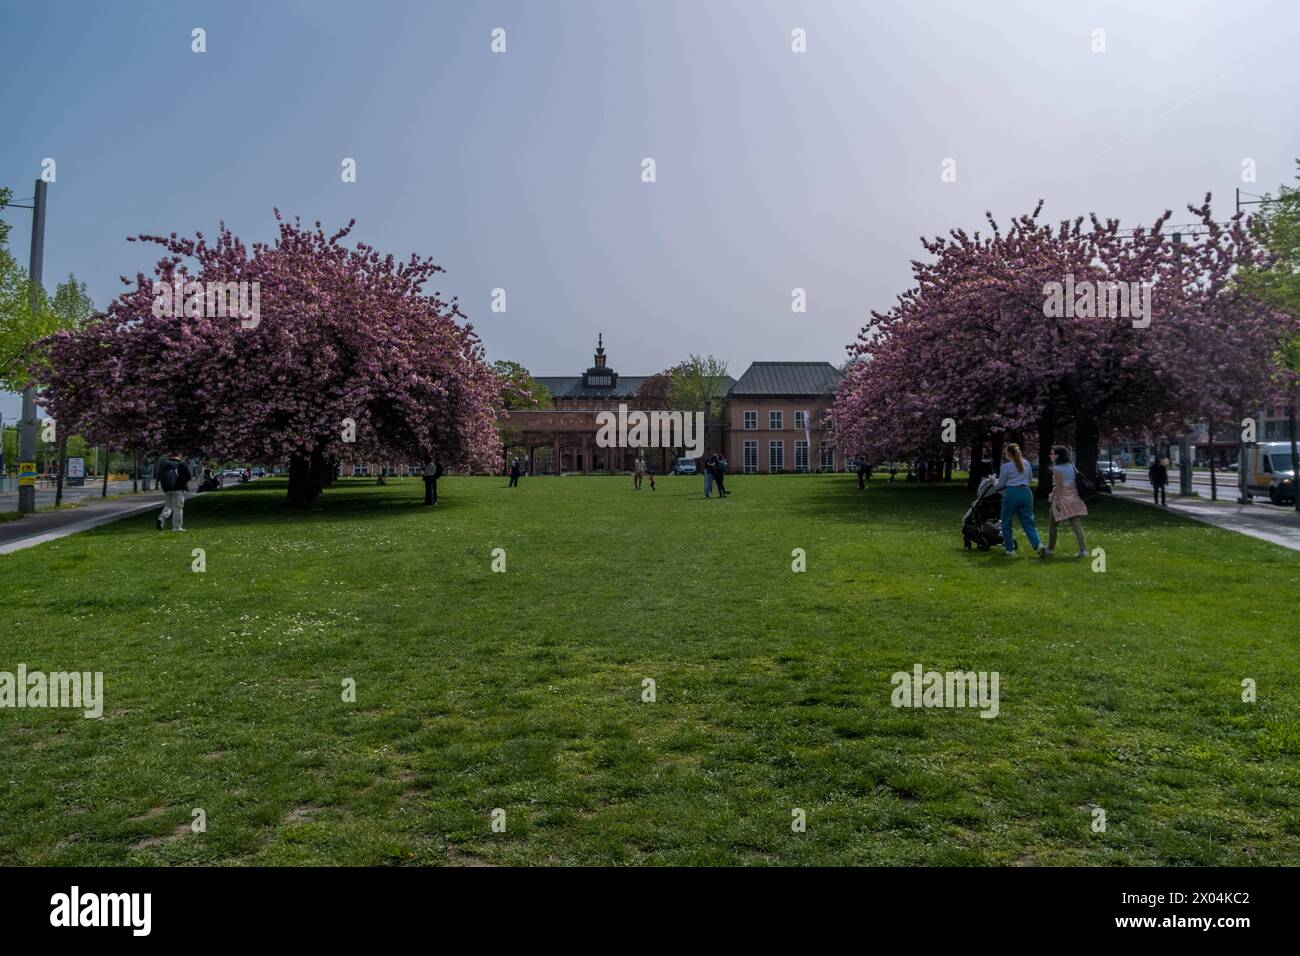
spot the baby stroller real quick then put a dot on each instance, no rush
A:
(981, 526)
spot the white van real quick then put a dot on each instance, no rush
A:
(1270, 471)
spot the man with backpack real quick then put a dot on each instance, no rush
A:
(173, 477)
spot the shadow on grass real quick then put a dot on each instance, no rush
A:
(262, 503)
(885, 502)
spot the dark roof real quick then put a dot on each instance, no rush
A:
(570, 386)
(788, 379)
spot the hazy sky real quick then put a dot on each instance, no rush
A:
(522, 170)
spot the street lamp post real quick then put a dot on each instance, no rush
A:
(27, 424)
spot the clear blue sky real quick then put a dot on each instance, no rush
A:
(522, 170)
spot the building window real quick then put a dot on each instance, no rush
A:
(774, 421)
(828, 457)
(800, 421)
(1276, 431)
(360, 471)
(776, 454)
(751, 457)
(801, 455)
(751, 421)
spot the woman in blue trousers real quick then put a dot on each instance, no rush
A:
(1017, 501)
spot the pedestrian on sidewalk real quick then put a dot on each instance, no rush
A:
(1159, 477)
(1066, 503)
(173, 477)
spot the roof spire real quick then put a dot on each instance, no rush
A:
(600, 350)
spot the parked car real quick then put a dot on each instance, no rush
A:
(1111, 471)
(684, 466)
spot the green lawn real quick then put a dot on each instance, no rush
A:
(522, 691)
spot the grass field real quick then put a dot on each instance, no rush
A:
(522, 690)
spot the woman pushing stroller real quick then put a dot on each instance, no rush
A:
(1017, 501)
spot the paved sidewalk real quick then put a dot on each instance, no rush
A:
(1280, 526)
(45, 526)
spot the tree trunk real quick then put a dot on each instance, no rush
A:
(1214, 475)
(995, 449)
(1046, 437)
(976, 462)
(1185, 456)
(317, 473)
(1087, 436)
(103, 491)
(63, 467)
(299, 494)
(431, 482)
(1295, 460)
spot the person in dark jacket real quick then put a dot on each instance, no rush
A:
(1159, 477)
(514, 473)
(720, 475)
(173, 477)
(862, 474)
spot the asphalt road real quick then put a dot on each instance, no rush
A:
(45, 493)
(1227, 486)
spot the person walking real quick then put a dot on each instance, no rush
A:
(862, 474)
(514, 473)
(1158, 475)
(720, 475)
(173, 477)
(638, 472)
(708, 475)
(1017, 501)
(1066, 503)
(893, 470)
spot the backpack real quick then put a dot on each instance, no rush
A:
(169, 475)
(1083, 484)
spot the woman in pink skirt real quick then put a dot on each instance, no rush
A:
(1066, 503)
